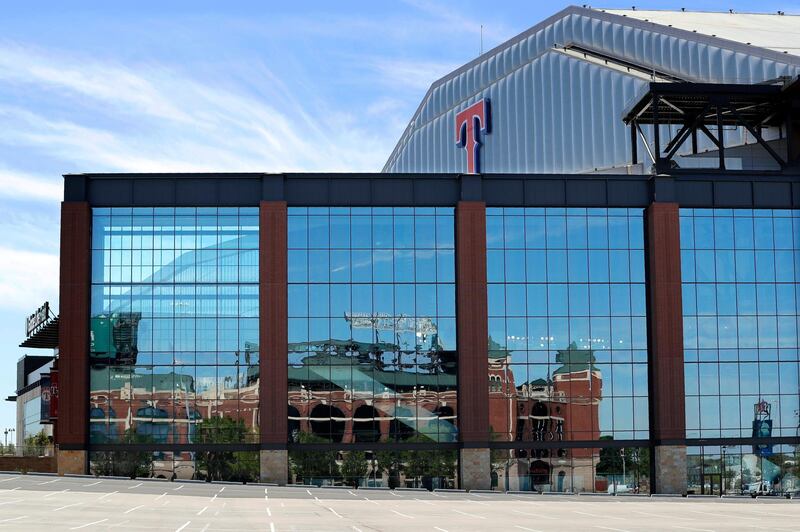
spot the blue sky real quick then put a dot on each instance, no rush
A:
(213, 86)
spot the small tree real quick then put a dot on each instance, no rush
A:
(390, 463)
(308, 465)
(225, 465)
(354, 467)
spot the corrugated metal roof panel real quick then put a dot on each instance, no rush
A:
(557, 112)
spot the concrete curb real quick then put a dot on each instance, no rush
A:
(337, 487)
(558, 493)
(75, 475)
(667, 495)
(263, 484)
(448, 490)
(493, 492)
(695, 496)
(410, 489)
(192, 481)
(37, 474)
(645, 495)
(518, 492)
(152, 479)
(595, 494)
(384, 488)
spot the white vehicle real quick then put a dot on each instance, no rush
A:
(619, 488)
(759, 488)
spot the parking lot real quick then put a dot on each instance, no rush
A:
(49, 503)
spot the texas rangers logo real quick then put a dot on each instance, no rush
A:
(470, 123)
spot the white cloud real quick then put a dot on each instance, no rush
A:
(154, 119)
(416, 75)
(26, 279)
(21, 185)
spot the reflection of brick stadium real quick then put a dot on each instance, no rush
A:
(562, 408)
(165, 408)
(346, 392)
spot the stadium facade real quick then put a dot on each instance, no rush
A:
(578, 272)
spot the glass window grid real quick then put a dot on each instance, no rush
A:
(531, 329)
(198, 328)
(396, 263)
(740, 271)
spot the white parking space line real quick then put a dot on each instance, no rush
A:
(469, 515)
(162, 495)
(121, 523)
(89, 524)
(203, 510)
(691, 528)
(334, 512)
(525, 528)
(68, 506)
(606, 516)
(439, 529)
(107, 495)
(49, 481)
(13, 519)
(309, 492)
(425, 502)
(135, 486)
(92, 484)
(7, 479)
(351, 493)
(534, 515)
(55, 493)
(357, 529)
(133, 509)
(179, 487)
(395, 494)
(403, 515)
(272, 527)
(368, 500)
(610, 528)
(269, 512)
(187, 523)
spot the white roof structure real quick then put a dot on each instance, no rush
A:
(772, 31)
(558, 90)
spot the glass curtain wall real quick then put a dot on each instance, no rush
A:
(740, 272)
(372, 341)
(174, 340)
(567, 347)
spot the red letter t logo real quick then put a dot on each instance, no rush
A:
(469, 123)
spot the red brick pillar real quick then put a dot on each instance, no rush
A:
(472, 337)
(72, 426)
(665, 317)
(273, 339)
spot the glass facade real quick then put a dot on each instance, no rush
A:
(567, 338)
(740, 303)
(174, 338)
(372, 339)
(740, 271)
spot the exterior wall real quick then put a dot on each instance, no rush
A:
(475, 466)
(72, 462)
(72, 428)
(471, 321)
(273, 325)
(670, 469)
(29, 464)
(555, 112)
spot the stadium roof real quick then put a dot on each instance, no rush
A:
(772, 31)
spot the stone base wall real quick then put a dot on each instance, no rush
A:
(28, 464)
(670, 469)
(72, 462)
(275, 466)
(475, 469)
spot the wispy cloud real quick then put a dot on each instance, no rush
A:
(27, 278)
(24, 186)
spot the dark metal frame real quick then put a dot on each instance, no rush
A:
(699, 189)
(701, 107)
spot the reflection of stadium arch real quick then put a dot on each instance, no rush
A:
(540, 472)
(324, 425)
(366, 424)
(294, 421)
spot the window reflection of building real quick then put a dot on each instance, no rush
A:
(372, 354)
(740, 274)
(568, 342)
(174, 329)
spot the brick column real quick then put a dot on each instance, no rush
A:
(72, 426)
(665, 322)
(273, 339)
(472, 332)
